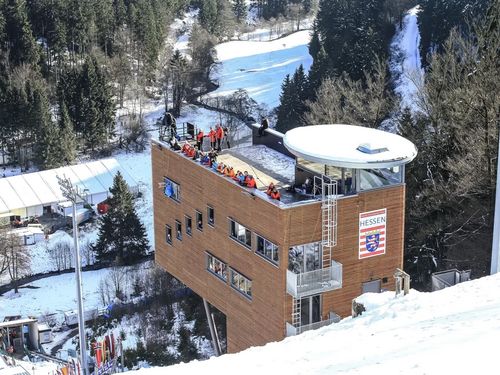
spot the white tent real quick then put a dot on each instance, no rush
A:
(36, 193)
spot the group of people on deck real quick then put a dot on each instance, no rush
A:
(215, 136)
(210, 160)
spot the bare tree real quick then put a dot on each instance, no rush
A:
(344, 101)
(86, 251)
(61, 255)
(14, 256)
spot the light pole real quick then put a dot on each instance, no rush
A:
(71, 193)
(495, 250)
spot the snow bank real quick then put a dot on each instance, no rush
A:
(452, 331)
(260, 67)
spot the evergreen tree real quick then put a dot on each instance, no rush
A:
(21, 44)
(314, 44)
(187, 350)
(67, 139)
(292, 101)
(240, 10)
(438, 17)
(216, 17)
(48, 141)
(352, 34)
(122, 237)
(178, 71)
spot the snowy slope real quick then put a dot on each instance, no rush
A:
(57, 294)
(456, 330)
(260, 67)
(405, 63)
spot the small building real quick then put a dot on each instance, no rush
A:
(38, 194)
(19, 333)
(277, 268)
(44, 334)
(447, 278)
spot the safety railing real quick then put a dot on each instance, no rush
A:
(314, 282)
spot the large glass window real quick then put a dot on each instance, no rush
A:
(374, 178)
(189, 225)
(241, 283)
(172, 189)
(240, 233)
(305, 258)
(267, 249)
(168, 234)
(216, 266)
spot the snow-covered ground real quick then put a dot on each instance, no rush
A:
(260, 67)
(405, 63)
(456, 330)
(57, 294)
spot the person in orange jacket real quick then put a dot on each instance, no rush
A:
(219, 134)
(251, 182)
(231, 173)
(275, 194)
(211, 136)
(199, 139)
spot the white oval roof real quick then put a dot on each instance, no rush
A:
(339, 145)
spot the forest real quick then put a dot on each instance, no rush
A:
(454, 123)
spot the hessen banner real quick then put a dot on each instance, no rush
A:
(372, 233)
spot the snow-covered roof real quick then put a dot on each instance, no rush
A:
(41, 188)
(342, 146)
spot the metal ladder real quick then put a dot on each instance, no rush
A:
(296, 320)
(329, 191)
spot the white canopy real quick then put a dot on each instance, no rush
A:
(349, 146)
(42, 188)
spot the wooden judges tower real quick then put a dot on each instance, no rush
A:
(279, 268)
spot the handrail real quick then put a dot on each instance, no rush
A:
(317, 281)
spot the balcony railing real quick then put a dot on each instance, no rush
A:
(292, 331)
(314, 282)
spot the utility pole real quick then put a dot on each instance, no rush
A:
(71, 193)
(495, 248)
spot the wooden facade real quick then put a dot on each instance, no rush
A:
(262, 318)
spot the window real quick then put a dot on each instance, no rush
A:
(216, 266)
(189, 225)
(241, 234)
(168, 234)
(267, 249)
(172, 189)
(211, 216)
(241, 283)
(305, 258)
(199, 220)
(178, 230)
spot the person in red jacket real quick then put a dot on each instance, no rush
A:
(199, 139)
(275, 194)
(219, 134)
(211, 136)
